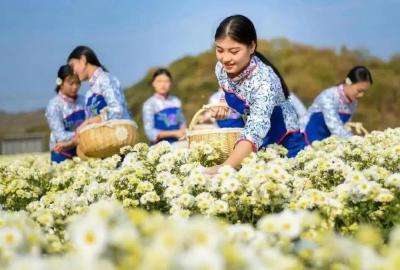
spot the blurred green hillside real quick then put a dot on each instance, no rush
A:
(306, 70)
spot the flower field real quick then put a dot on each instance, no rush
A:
(335, 206)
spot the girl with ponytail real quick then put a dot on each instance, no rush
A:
(334, 106)
(253, 87)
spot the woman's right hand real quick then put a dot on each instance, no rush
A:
(219, 112)
(180, 133)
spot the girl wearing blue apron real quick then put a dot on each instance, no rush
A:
(162, 113)
(254, 88)
(65, 113)
(233, 120)
(334, 107)
(105, 91)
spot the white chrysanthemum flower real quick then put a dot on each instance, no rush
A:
(275, 171)
(213, 184)
(10, 238)
(46, 219)
(230, 185)
(163, 177)
(317, 197)
(173, 192)
(342, 191)
(197, 178)
(268, 224)
(168, 158)
(172, 181)
(226, 171)
(149, 197)
(186, 200)
(220, 207)
(144, 186)
(204, 201)
(384, 195)
(179, 213)
(289, 224)
(365, 187)
(89, 236)
(393, 180)
(185, 169)
(181, 155)
(355, 177)
(105, 209)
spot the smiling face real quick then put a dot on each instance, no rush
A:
(162, 84)
(233, 55)
(356, 90)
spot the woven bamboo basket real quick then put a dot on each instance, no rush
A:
(106, 138)
(80, 154)
(357, 127)
(204, 126)
(223, 138)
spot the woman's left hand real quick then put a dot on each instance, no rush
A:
(61, 146)
(212, 170)
(219, 112)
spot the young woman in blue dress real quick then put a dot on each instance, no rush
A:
(253, 87)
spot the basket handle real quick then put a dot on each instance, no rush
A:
(203, 109)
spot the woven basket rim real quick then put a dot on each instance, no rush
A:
(109, 123)
(213, 131)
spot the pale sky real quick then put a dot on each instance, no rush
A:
(131, 36)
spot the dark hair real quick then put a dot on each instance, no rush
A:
(242, 30)
(91, 57)
(161, 71)
(64, 72)
(360, 74)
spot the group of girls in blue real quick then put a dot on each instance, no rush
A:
(68, 111)
(255, 97)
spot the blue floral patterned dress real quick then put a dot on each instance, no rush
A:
(64, 115)
(257, 93)
(160, 114)
(328, 114)
(105, 91)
